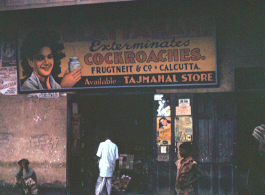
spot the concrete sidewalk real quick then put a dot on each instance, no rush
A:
(55, 191)
(42, 191)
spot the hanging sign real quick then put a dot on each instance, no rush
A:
(142, 53)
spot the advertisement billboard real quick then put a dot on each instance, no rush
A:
(119, 54)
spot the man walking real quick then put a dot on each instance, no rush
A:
(107, 154)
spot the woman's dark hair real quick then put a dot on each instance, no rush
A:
(162, 118)
(32, 45)
(187, 146)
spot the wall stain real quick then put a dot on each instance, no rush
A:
(4, 137)
(43, 141)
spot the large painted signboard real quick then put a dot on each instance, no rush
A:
(120, 54)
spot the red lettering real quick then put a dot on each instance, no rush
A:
(129, 57)
(195, 54)
(160, 56)
(152, 57)
(173, 54)
(141, 56)
(86, 59)
(183, 54)
(107, 60)
(118, 58)
(98, 58)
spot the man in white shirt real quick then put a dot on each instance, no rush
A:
(108, 154)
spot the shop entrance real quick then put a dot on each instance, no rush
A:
(250, 111)
(250, 114)
(130, 118)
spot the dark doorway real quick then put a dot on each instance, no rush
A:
(130, 118)
(250, 114)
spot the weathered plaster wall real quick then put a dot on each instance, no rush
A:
(36, 129)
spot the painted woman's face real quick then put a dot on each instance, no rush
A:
(42, 64)
(163, 122)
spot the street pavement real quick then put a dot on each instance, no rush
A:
(15, 191)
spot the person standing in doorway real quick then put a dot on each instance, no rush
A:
(187, 171)
(26, 178)
(107, 154)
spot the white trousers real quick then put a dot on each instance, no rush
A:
(103, 184)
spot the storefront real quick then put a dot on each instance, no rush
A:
(156, 75)
(148, 150)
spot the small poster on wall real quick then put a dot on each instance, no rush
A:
(163, 108)
(183, 110)
(163, 105)
(163, 131)
(184, 102)
(8, 54)
(183, 129)
(8, 80)
(8, 68)
(163, 157)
